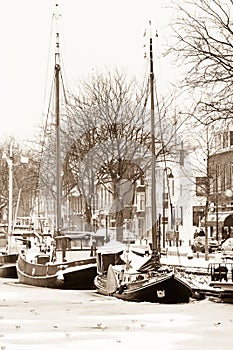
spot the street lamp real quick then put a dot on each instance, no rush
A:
(9, 160)
(167, 175)
(106, 213)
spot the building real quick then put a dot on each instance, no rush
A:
(179, 205)
(220, 169)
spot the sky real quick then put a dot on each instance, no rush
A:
(95, 35)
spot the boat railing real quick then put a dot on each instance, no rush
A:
(221, 271)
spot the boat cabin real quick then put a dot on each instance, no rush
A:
(80, 240)
(3, 240)
(110, 253)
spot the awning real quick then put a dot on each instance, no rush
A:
(224, 219)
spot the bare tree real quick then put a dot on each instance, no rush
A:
(203, 31)
(111, 140)
(106, 139)
(25, 176)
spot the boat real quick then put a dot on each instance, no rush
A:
(9, 240)
(7, 261)
(8, 265)
(220, 284)
(41, 266)
(56, 265)
(130, 276)
(213, 280)
(145, 280)
(18, 240)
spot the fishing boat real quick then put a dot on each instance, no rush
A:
(121, 275)
(55, 267)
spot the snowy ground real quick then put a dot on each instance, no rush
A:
(179, 256)
(33, 318)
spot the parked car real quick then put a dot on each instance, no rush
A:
(199, 245)
(227, 247)
(213, 245)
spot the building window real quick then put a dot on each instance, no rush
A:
(101, 197)
(211, 180)
(224, 178)
(231, 176)
(218, 141)
(141, 202)
(231, 138)
(201, 187)
(198, 214)
(105, 198)
(218, 174)
(225, 140)
(181, 216)
(181, 190)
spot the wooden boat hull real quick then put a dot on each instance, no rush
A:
(8, 265)
(167, 289)
(70, 275)
(224, 291)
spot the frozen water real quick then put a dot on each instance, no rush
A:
(35, 318)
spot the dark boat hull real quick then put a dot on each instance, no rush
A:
(71, 275)
(167, 289)
(224, 291)
(8, 265)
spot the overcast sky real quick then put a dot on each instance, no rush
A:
(94, 35)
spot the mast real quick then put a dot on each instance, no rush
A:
(10, 196)
(58, 146)
(10, 204)
(153, 160)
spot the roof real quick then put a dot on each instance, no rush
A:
(111, 247)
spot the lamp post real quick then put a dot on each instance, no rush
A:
(167, 174)
(106, 212)
(9, 160)
(216, 201)
(228, 194)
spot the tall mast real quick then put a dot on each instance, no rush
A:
(10, 197)
(153, 160)
(58, 147)
(10, 194)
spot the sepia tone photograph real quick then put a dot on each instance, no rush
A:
(116, 174)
